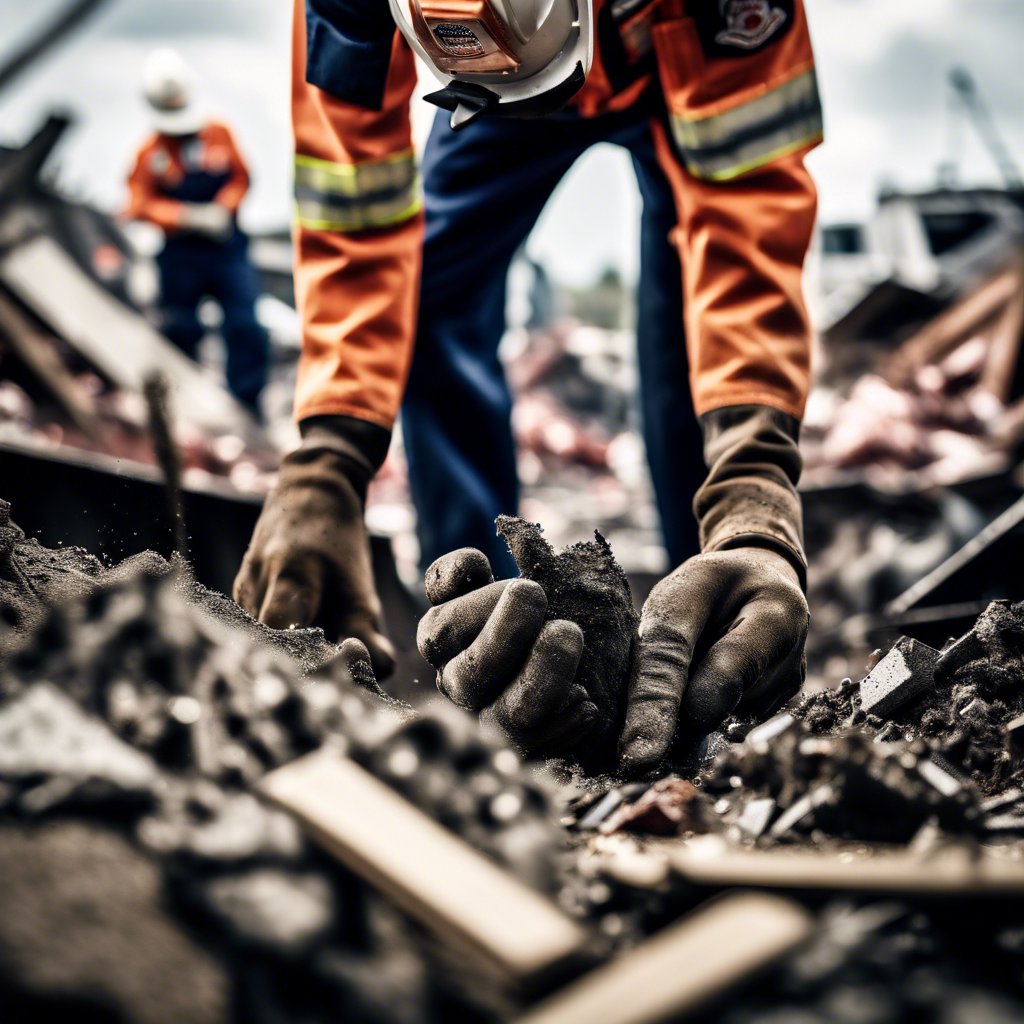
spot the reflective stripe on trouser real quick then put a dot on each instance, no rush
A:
(482, 199)
(780, 121)
(356, 197)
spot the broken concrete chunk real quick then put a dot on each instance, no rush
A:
(755, 817)
(668, 808)
(803, 808)
(1004, 802)
(45, 733)
(772, 729)
(907, 671)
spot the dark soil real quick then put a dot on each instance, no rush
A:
(585, 585)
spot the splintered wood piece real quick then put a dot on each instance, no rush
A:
(440, 881)
(709, 860)
(681, 968)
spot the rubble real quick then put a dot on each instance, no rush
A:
(964, 712)
(906, 672)
(132, 706)
(140, 714)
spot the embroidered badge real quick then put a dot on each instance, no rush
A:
(749, 24)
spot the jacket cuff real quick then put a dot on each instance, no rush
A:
(363, 446)
(749, 498)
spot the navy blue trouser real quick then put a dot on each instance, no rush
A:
(192, 269)
(485, 187)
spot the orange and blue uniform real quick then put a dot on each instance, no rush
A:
(171, 172)
(401, 287)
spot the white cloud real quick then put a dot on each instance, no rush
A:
(881, 66)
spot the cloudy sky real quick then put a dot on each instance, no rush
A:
(881, 63)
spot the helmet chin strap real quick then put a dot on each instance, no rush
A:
(468, 100)
(465, 100)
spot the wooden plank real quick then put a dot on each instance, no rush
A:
(683, 967)
(33, 348)
(953, 871)
(439, 880)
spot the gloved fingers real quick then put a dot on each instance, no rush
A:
(475, 677)
(748, 658)
(456, 574)
(448, 629)
(669, 631)
(352, 663)
(293, 594)
(247, 591)
(363, 630)
(543, 707)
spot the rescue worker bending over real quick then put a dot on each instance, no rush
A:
(189, 180)
(717, 102)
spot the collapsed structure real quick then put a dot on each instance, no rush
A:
(162, 756)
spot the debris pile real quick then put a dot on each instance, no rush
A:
(963, 701)
(786, 785)
(889, 963)
(140, 716)
(134, 724)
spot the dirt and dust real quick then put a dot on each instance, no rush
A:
(585, 585)
(138, 710)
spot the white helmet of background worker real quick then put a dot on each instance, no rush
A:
(170, 87)
(519, 57)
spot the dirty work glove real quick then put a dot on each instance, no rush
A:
(213, 220)
(495, 655)
(308, 562)
(726, 630)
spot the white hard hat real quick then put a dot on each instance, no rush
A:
(523, 57)
(169, 85)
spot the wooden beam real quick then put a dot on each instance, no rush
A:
(680, 969)
(466, 900)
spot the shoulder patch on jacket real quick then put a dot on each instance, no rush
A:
(735, 28)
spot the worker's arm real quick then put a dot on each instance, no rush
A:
(358, 239)
(233, 191)
(144, 199)
(726, 629)
(739, 122)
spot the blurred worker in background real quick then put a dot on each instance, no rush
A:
(189, 180)
(717, 103)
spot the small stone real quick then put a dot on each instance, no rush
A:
(903, 674)
(186, 710)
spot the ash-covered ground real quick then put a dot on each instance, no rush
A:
(143, 880)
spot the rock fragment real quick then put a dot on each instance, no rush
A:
(585, 585)
(907, 671)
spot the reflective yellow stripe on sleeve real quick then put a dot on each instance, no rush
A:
(356, 197)
(724, 146)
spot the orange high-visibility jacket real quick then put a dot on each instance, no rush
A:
(742, 111)
(161, 183)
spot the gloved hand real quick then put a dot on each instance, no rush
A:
(495, 655)
(308, 562)
(214, 220)
(726, 630)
